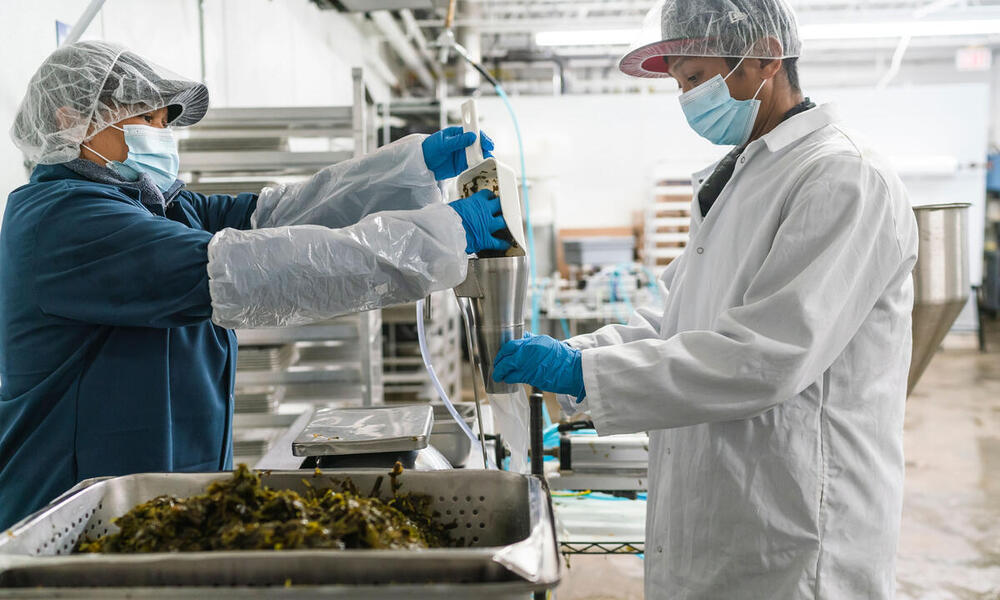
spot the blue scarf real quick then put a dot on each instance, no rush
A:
(150, 195)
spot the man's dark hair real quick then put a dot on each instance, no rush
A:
(791, 69)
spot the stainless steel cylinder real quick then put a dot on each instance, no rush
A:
(496, 288)
(940, 279)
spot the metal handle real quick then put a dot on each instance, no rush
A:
(575, 426)
(470, 123)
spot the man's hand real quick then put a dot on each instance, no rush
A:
(444, 151)
(543, 362)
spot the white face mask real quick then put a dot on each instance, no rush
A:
(152, 151)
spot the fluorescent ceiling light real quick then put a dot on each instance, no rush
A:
(892, 29)
(370, 5)
(598, 37)
(815, 31)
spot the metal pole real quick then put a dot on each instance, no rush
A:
(536, 424)
(83, 22)
(386, 116)
(360, 123)
(396, 38)
(450, 17)
(201, 37)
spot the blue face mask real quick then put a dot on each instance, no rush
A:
(151, 151)
(713, 113)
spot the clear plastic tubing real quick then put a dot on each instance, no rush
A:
(422, 338)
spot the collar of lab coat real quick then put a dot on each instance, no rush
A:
(789, 131)
(786, 133)
(799, 126)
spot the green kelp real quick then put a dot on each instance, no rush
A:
(241, 513)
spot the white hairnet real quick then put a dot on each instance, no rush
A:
(725, 28)
(82, 88)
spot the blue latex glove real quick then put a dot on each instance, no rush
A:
(444, 151)
(543, 362)
(481, 218)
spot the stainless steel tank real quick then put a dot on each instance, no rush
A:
(496, 289)
(940, 279)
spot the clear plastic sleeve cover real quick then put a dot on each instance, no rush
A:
(395, 177)
(305, 273)
(361, 234)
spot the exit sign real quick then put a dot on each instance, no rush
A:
(974, 58)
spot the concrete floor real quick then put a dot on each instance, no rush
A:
(949, 545)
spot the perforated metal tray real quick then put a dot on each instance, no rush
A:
(506, 520)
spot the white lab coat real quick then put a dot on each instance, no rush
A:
(773, 382)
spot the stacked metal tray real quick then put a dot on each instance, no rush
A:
(258, 399)
(405, 378)
(505, 520)
(253, 442)
(265, 358)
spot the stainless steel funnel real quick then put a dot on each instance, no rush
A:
(496, 289)
(940, 279)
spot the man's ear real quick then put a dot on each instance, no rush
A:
(768, 46)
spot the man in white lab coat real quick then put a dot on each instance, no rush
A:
(773, 380)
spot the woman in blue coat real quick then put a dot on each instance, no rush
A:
(120, 288)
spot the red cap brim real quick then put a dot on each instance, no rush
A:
(647, 61)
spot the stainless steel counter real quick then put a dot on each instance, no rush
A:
(280, 456)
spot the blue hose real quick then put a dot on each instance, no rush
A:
(651, 284)
(629, 309)
(527, 210)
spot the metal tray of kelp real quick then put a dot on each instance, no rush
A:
(505, 521)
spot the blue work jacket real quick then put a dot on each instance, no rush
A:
(109, 362)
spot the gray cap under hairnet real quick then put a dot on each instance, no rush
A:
(82, 88)
(725, 28)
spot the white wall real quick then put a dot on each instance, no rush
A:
(288, 53)
(258, 52)
(602, 149)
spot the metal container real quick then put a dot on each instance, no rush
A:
(448, 437)
(334, 431)
(496, 289)
(940, 279)
(506, 521)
